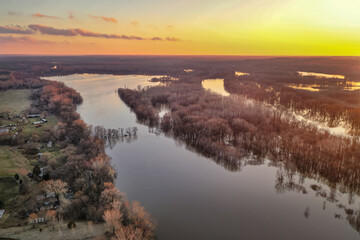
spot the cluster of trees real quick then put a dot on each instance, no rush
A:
(231, 128)
(20, 81)
(83, 164)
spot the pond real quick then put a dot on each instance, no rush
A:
(237, 73)
(215, 85)
(192, 197)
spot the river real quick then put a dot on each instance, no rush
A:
(192, 197)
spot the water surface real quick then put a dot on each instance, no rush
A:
(215, 85)
(192, 197)
(320, 75)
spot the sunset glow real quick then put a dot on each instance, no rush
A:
(187, 27)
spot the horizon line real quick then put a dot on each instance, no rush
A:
(170, 55)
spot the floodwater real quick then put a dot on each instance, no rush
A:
(215, 85)
(241, 73)
(307, 87)
(192, 197)
(350, 86)
(320, 75)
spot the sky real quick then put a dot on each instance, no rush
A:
(180, 27)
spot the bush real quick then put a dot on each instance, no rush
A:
(71, 225)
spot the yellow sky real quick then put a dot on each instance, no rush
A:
(197, 27)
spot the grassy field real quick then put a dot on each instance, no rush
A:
(8, 190)
(12, 162)
(30, 128)
(83, 230)
(16, 101)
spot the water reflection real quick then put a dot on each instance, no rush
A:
(320, 75)
(241, 74)
(215, 85)
(307, 87)
(351, 86)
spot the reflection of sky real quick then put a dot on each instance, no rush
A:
(308, 87)
(215, 85)
(191, 196)
(241, 74)
(321, 75)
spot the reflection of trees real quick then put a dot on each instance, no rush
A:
(112, 136)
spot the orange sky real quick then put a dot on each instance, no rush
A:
(196, 27)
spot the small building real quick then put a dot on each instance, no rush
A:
(2, 211)
(43, 171)
(37, 220)
(33, 115)
(49, 145)
(37, 122)
(43, 120)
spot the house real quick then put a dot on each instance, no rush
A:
(43, 171)
(49, 145)
(33, 115)
(37, 123)
(43, 120)
(37, 220)
(2, 211)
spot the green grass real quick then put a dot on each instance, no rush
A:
(15, 101)
(11, 161)
(9, 189)
(30, 128)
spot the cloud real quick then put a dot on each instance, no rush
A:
(72, 32)
(52, 31)
(39, 15)
(106, 19)
(79, 32)
(156, 39)
(11, 39)
(11, 13)
(17, 30)
(135, 23)
(173, 39)
(86, 33)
